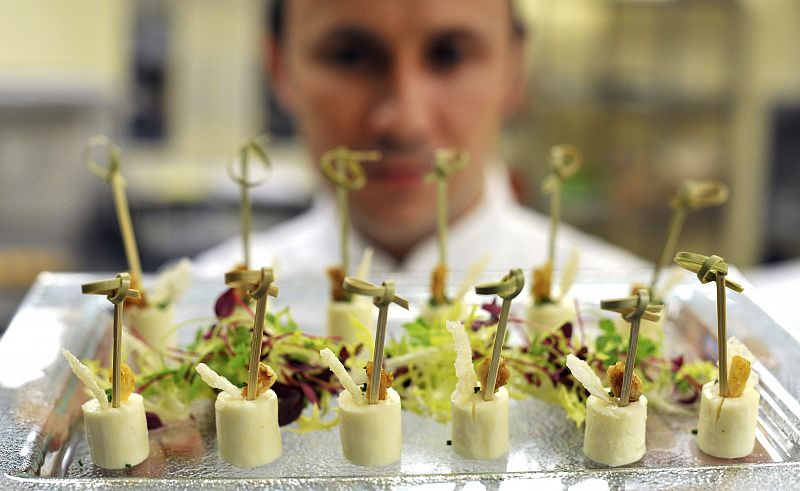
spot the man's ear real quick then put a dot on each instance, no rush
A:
(275, 65)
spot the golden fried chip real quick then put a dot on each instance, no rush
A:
(386, 381)
(616, 375)
(738, 373)
(503, 373)
(542, 278)
(127, 381)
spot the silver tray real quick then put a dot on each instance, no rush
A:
(44, 445)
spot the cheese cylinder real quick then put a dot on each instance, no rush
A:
(339, 323)
(547, 316)
(154, 325)
(615, 435)
(247, 431)
(117, 436)
(371, 434)
(480, 428)
(727, 425)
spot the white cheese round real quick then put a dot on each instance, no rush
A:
(727, 425)
(371, 434)
(117, 436)
(615, 435)
(547, 316)
(247, 431)
(339, 323)
(480, 428)
(154, 325)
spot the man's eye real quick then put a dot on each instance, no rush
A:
(356, 58)
(443, 56)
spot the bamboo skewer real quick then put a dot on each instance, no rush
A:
(507, 288)
(633, 309)
(714, 268)
(383, 296)
(243, 180)
(448, 161)
(116, 290)
(258, 284)
(113, 175)
(342, 167)
(565, 160)
(692, 195)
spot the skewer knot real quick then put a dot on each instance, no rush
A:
(103, 142)
(448, 161)
(700, 194)
(634, 307)
(706, 267)
(342, 167)
(257, 282)
(382, 295)
(565, 160)
(252, 145)
(116, 289)
(507, 288)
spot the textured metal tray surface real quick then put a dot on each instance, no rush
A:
(44, 445)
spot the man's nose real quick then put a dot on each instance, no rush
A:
(403, 110)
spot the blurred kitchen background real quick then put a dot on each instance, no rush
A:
(653, 92)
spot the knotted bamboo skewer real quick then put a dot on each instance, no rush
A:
(382, 297)
(258, 284)
(633, 309)
(507, 288)
(342, 167)
(116, 290)
(714, 268)
(251, 146)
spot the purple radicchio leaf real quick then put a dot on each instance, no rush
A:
(153, 421)
(290, 402)
(225, 304)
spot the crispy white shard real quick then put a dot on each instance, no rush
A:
(344, 377)
(569, 273)
(586, 376)
(172, 282)
(217, 381)
(465, 371)
(85, 375)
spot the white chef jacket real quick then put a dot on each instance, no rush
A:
(510, 235)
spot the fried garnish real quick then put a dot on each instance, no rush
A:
(386, 381)
(503, 373)
(438, 281)
(338, 293)
(141, 302)
(635, 287)
(542, 279)
(738, 373)
(127, 381)
(266, 377)
(616, 374)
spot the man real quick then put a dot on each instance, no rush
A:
(406, 77)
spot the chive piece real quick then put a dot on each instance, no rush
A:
(108, 394)
(364, 387)
(127, 466)
(449, 442)
(694, 431)
(476, 389)
(80, 462)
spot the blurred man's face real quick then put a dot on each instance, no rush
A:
(404, 77)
